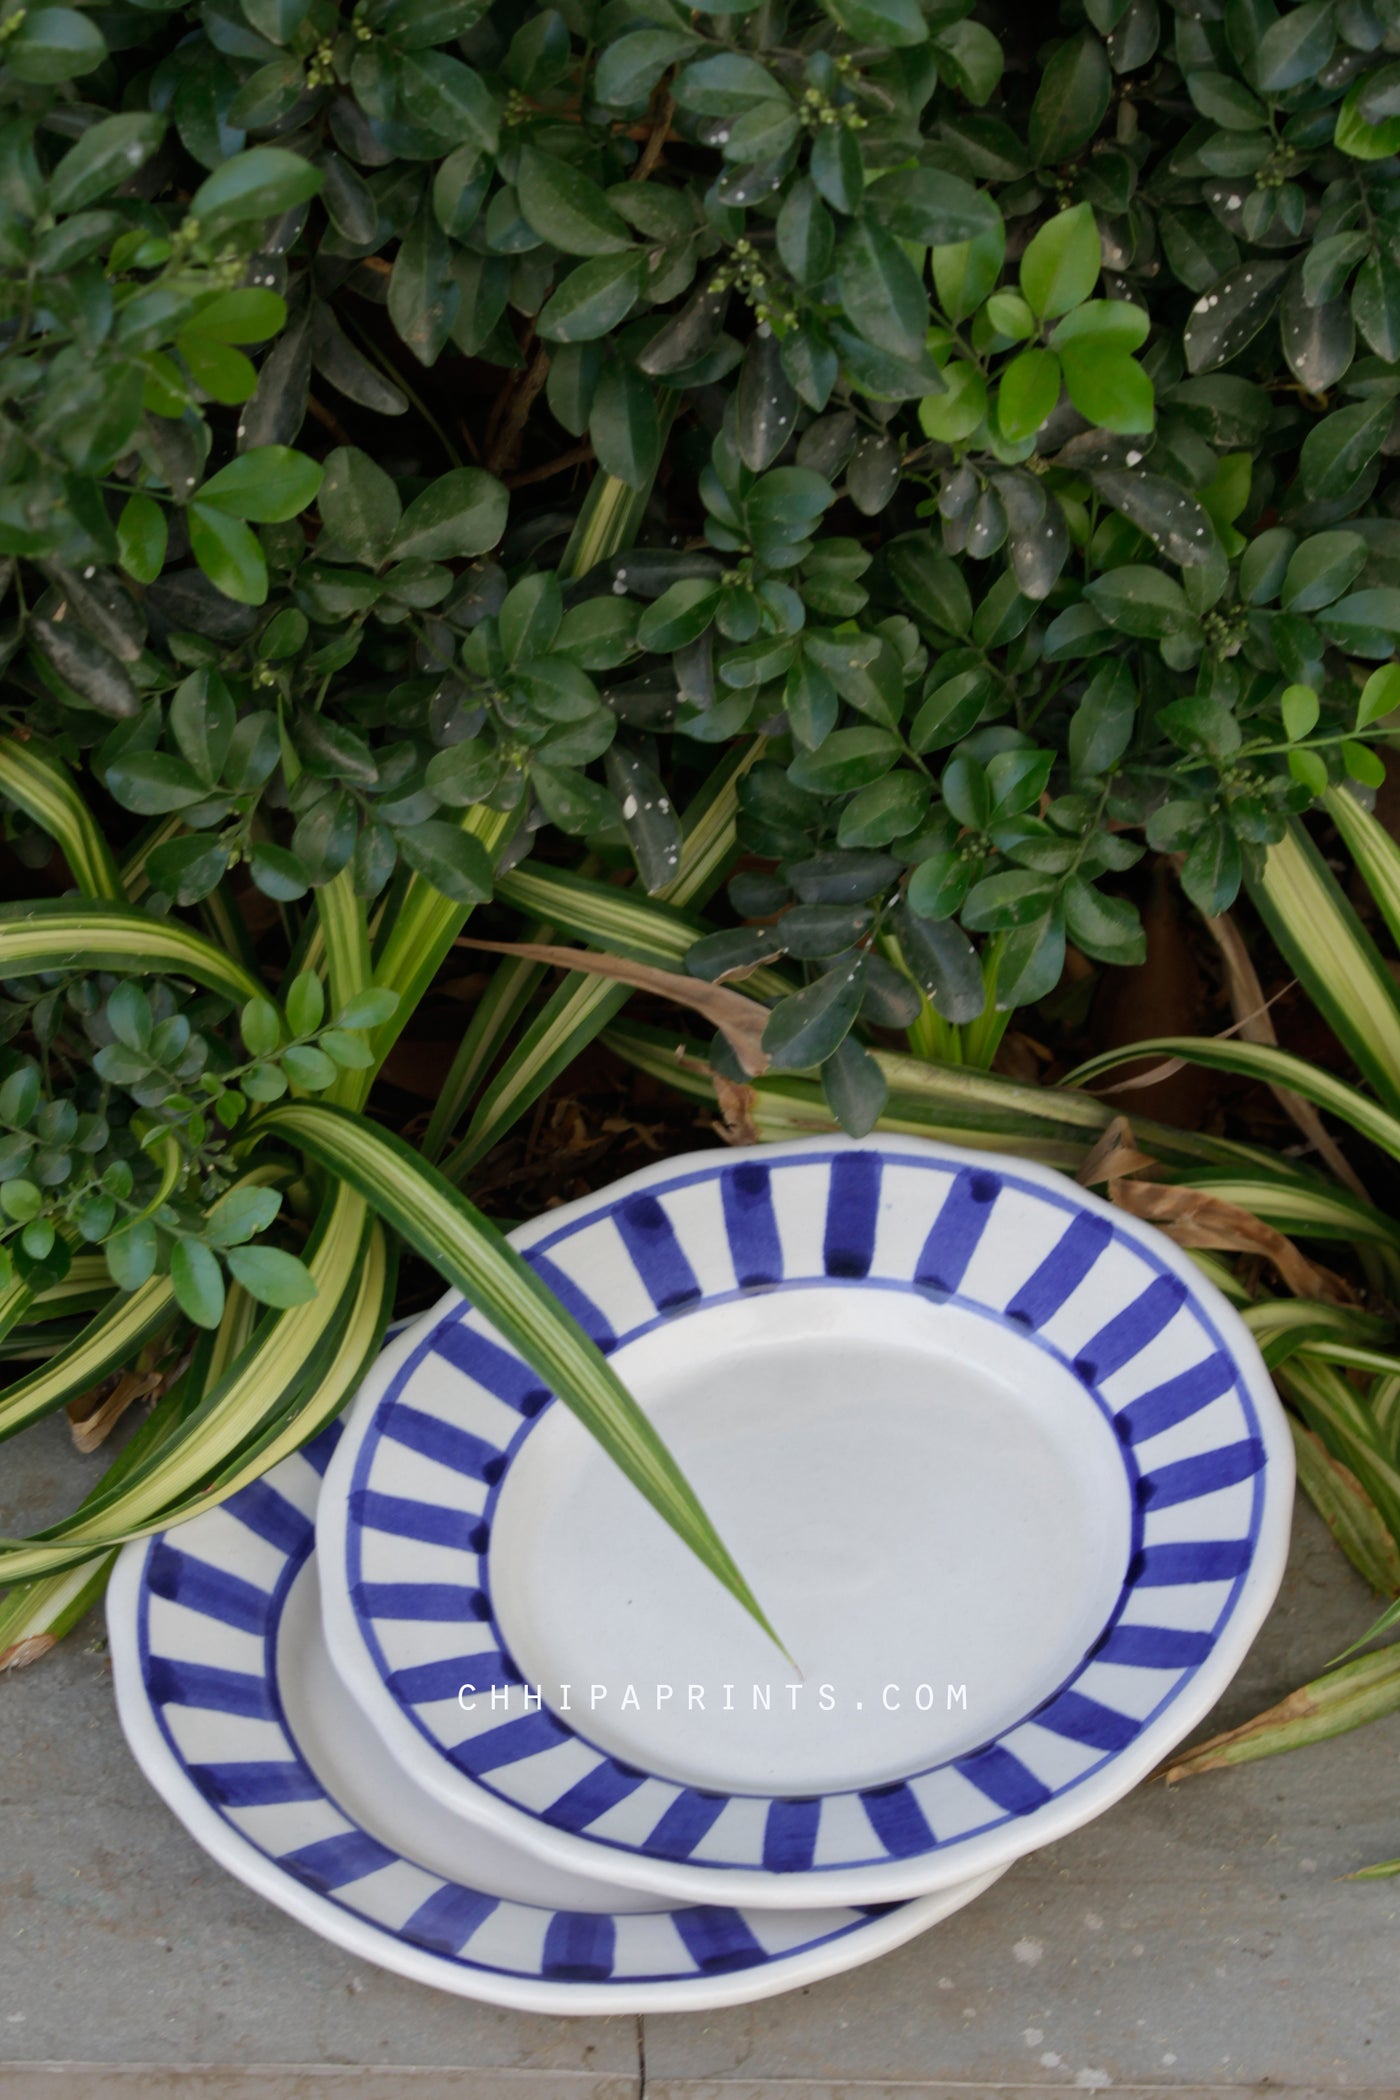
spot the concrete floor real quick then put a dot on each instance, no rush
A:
(1194, 1942)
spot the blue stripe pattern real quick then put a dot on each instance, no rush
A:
(1131, 1330)
(498, 1369)
(852, 1211)
(1088, 1721)
(1003, 1778)
(688, 1819)
(421, 1684)
(446, 1920)
(332, 1861)
(457, 1449)
(656, 1253)
(524, 1736)
(1202, 1475)
(579, 1946)
(214, 1591)
(450, 1920)
(446, 1602)
(752, 1225)
(601, 1789)
(718, 1940)
(1177, 1400)
(573, 1300)
(897, 1820)
(256, 1785)
(172, 1683)
(790, 1836)
(1153, 1647)
(1199, 1560)
(957, 1230)
(766, 1204)
(276, 1521)
(1062, 1271)
(428, 1522)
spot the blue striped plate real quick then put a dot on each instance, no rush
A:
(232, 1709)
(1005, 1471)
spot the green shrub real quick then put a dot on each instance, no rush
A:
(991, 485)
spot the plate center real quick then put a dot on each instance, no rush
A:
(931, 1510)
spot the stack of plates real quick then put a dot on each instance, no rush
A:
(1006, 1474)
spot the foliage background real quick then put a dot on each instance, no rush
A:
(904, 461)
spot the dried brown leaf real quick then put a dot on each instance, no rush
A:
(739, 1020)
(1115, 1154)
(20, 1654)
(736, 1104)
(1195, 1218)
(91, 1425)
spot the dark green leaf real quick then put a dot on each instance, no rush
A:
(806, 1028)
(594, 298)
(462, 513)
(941, 958)
(855, 1088)
(1071, 100)
(566, 207)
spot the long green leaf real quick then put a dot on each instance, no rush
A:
(613, 511)
(464, 1247)
(134, 878)
(290, 1350)
(345, 931)
(1347, 1511)
(1323, 1212)
(1374, 851)
(513, 984)
(1332, 1406)
(332, 1382)
(422, 930)
(65, 934)
(565, 1027)
(106, 1345)
(46, 791)
(33, 1615)
(582, 1006)
(1333, 956)
(1330, 1705)
(1258, 1061)
(623, 922)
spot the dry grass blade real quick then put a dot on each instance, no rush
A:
(1171, 1065)
(1195, 1218)
(91, 1425)
(739, 1020)
(1251, 1012)
(1115, 1154)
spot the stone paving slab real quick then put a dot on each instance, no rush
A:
(1193, 1942)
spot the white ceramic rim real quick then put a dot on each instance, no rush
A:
(859, 1944)
(886, 1880)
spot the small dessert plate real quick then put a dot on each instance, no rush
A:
(233, 1711)
(1005, 1472)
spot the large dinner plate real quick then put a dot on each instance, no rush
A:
(1006, 1473)
(232, 1709)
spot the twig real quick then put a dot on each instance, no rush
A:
(513, 404)
(656, 141)
(579, 457)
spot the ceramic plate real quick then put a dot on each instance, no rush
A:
(1006, 1473)
(232, 1708)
